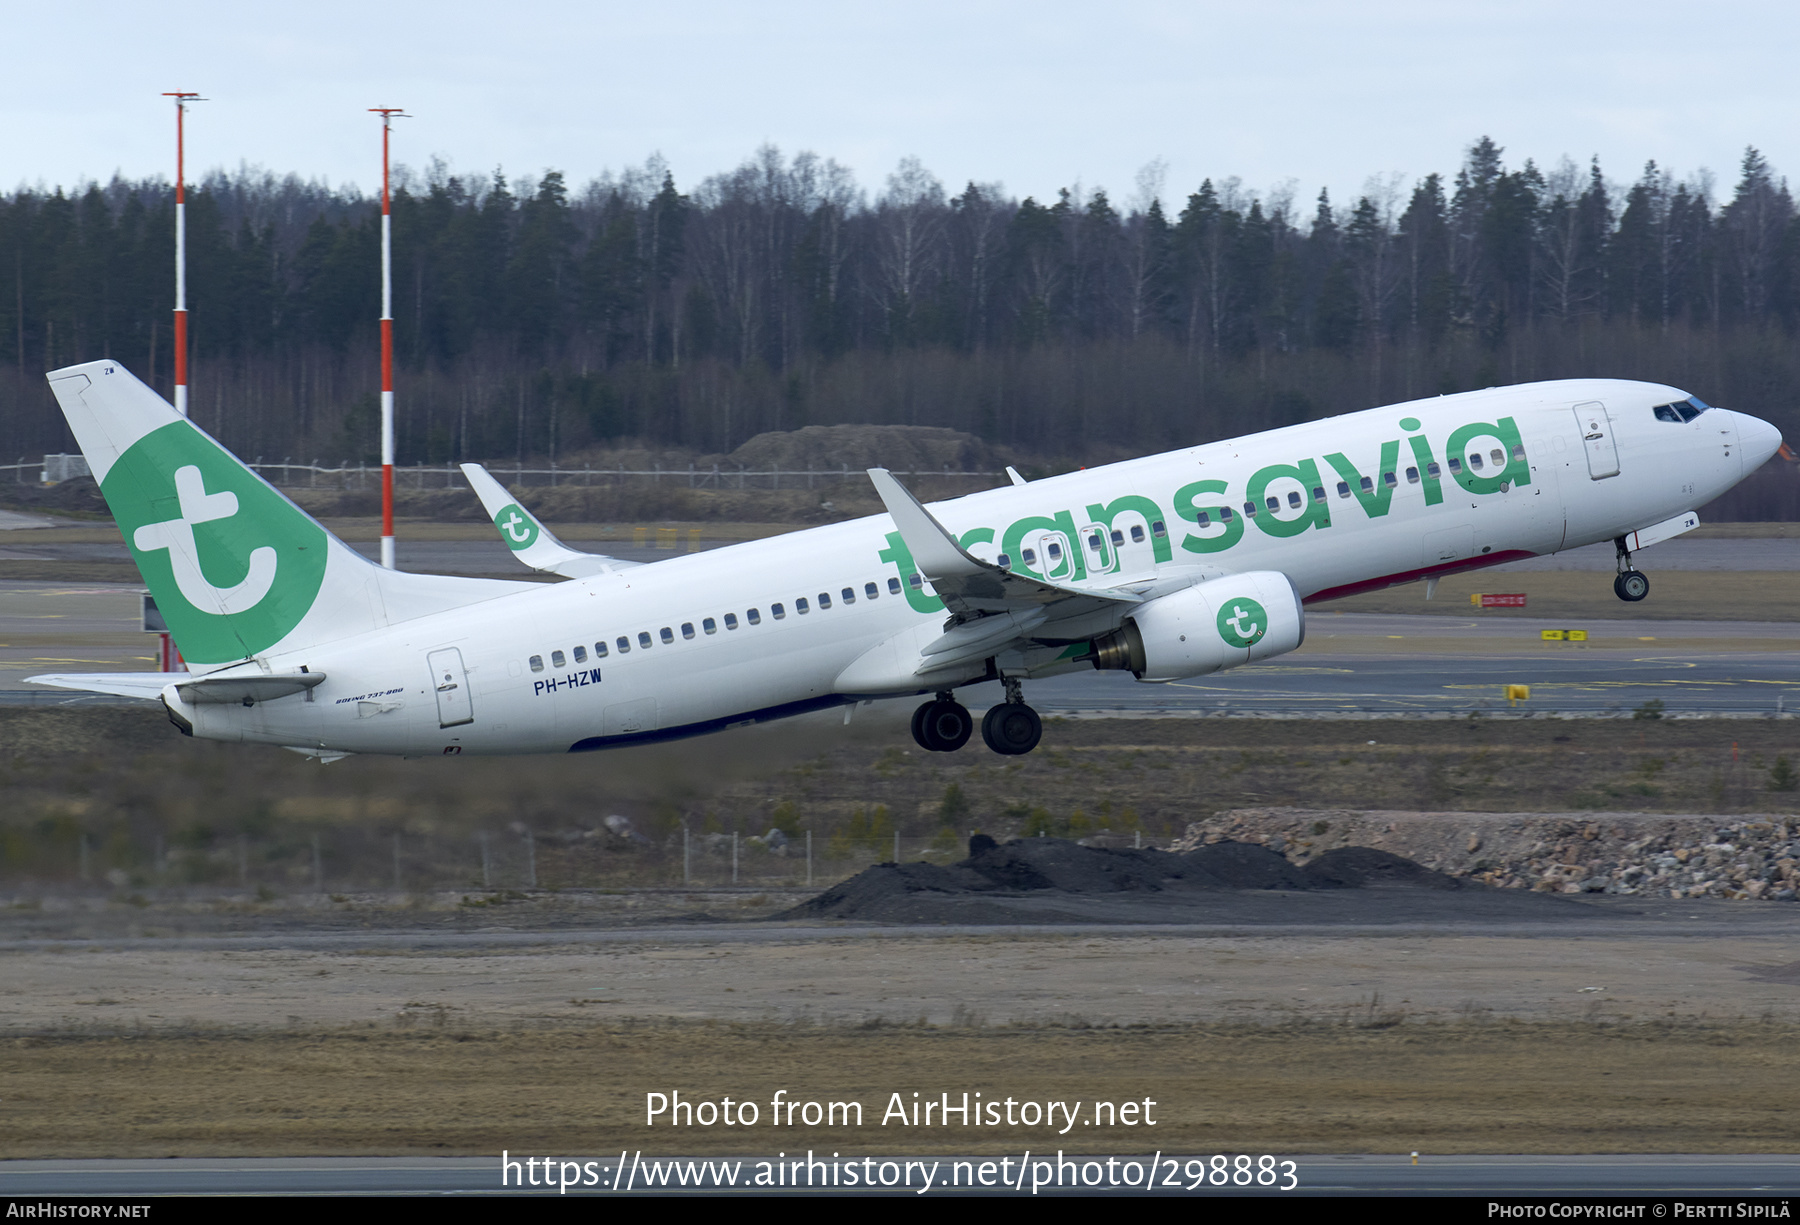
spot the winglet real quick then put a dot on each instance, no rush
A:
(530, 541)
(934, 550)
(1012, 474)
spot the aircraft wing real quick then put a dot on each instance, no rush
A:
(530, 541)
(122, 684)
(973, 589)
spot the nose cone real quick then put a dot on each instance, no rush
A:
(1757, 441)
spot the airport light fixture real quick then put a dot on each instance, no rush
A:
(388, 115)
(182, 99)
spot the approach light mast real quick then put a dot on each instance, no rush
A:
(388, 114)
(182, 99)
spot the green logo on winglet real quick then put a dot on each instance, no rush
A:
(516, 527)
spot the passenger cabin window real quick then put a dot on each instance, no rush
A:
(1368, 484)
(1274, 503)
(870, 591)
(687, 629)
(1389, 479)
(1433, 471)
(1137, 534)
(1412, 476)
(1249, 510)
(918, 584)
(668, 635)
(779, 611)
(849, 594)
(1318, 493)
(1498, 456)
(824, 599)
(537, 663)
(1030, 556)
(1004, 561)
(801, 606)
(1203, 519)
(644, 639)
(1118, 538)
(1519, 452)
(709, 625)
(1224, 514)
(1343, 489)
(730, 621)
(600, 650)
(580, 655)
(1055, 551)
(893, 586)
(1475, 461)
(754, 617)
(558, 660)
(1158, 530)
(1455, 464)
(1094, 542)
(624, 645)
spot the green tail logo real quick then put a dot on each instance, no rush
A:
(233, 565)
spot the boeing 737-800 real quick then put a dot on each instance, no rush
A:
(1167, 567)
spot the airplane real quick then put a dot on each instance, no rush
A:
(1168, 567)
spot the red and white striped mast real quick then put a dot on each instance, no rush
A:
(182, 98)
(388, 114)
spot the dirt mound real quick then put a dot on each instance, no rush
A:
(904, 448)
(1054, 870)
(1361, 867)
(79, 495)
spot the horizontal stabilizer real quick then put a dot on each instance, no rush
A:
(248, 689)
(530, 541)
(122, 684)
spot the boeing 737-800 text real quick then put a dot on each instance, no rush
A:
(1167, 567)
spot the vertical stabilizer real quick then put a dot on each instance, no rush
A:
(236, 568)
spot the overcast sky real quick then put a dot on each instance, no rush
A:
(1034, 95)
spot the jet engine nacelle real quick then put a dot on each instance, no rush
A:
(1208, 627)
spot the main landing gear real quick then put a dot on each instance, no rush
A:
(944, 725)
(1630, 585)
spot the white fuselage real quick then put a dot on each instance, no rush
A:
(1136, 524)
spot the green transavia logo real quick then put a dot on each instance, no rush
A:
(1242, 623)
(233, 565)
(516, 527)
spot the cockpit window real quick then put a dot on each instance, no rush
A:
(1681, 410)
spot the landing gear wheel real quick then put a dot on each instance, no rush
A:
(942, 726)
(1012, 728)
(1631, 586)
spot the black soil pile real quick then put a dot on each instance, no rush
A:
(1051, 880)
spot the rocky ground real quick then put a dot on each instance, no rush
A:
(1628, 853)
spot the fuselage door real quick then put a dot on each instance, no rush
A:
(452, 685)
(1597, 438)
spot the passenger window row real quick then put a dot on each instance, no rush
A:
(708, 625)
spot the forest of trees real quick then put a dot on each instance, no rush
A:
(537, 320)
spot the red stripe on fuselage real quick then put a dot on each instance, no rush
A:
(1413, 576)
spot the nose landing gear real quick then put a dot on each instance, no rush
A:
(1630, 585)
